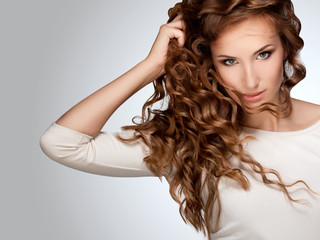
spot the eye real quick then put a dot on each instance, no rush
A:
(229, 62)
(264, 55)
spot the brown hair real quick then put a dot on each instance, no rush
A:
(198, 125)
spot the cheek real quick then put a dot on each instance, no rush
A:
(230, 78)
(272, 71)
(229, 75)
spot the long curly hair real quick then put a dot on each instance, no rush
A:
(197, 124)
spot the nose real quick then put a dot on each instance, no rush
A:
(250, 77)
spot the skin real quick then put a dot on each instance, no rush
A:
(252, 63)
(91, 114)
(249, 58)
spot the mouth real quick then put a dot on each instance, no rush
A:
(253, 97)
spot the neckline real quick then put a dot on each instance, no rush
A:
(285, 133)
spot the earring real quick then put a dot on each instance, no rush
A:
(282, 83)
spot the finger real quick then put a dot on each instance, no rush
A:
(178, 24)
(181, 40)
(177, 18)
(178, 34)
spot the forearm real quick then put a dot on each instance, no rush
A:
(91, 114)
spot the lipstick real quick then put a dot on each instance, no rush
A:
(253, 97)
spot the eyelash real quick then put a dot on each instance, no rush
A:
(266, 52)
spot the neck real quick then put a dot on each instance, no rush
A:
(266, 121)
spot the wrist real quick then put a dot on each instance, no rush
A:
(153, 69)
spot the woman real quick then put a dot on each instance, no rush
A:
(241, 156)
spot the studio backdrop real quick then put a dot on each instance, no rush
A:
(55, 53)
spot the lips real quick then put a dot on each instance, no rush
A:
(253, 97)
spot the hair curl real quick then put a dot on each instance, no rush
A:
(199, 126)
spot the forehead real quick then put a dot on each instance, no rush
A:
(251, 33)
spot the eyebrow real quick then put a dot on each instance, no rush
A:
(256, 52)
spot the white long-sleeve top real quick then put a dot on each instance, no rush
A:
(263, 213)
(103, 155)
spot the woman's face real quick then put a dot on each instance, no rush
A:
(249, 58)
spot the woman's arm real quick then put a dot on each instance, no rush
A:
(76, 140)
(102, 155)
(91, 114)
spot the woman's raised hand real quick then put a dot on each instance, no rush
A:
(90, 114)
(158, 52)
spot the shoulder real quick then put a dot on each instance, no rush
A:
(306, 113)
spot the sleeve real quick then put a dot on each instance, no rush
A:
(102, 155)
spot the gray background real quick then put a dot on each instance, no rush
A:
(54, 54)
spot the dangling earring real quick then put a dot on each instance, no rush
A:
(282, 83)
(285, 65)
